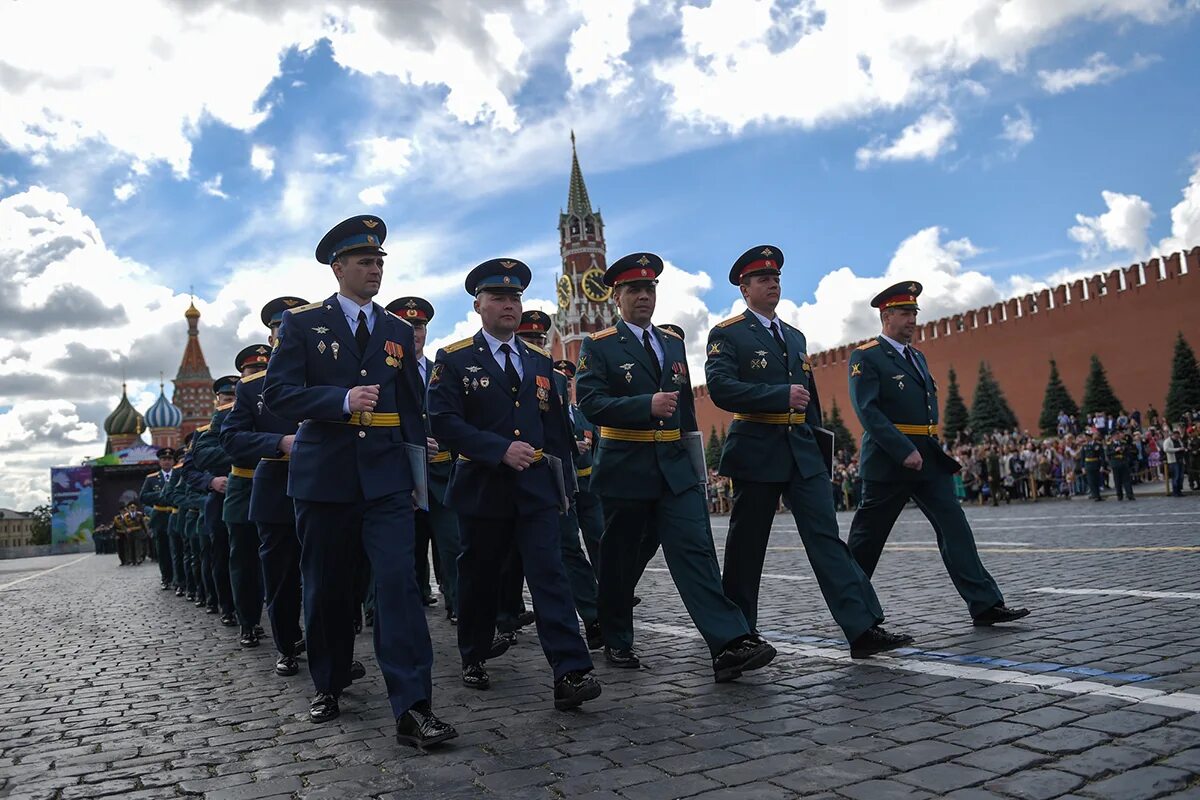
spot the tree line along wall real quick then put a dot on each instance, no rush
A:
(1128, 317)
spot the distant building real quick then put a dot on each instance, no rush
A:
(193, 383)
(164, 419)
(124, 426)
(16, 528)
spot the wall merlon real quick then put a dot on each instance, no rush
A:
(1153, 271)
(1192, 258)
(1060, 296)
(1114, 281)
(1174, 264)
(1133, 277)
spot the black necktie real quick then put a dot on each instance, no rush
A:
(778, 336)
(650, 352)
(509, 368)
(362, 334)
(913, 363)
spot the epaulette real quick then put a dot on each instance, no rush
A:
(868, 345)
(177, 465)
(308, 307)
(225, 406)
(669, 332)
(152, 474)
(730, 321)
(537, 349)
(254, 377)
(598, 335)
(203, 428)
(402, 319)
(459, 345)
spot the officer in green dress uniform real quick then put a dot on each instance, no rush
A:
(211, 459)
(757, 367)
(177, 541)
(1122, 458)
(195, 486)
(1093, 457)
(439, 524)
(895, 398)
(589, 517)
(633, 382)
(160, 512)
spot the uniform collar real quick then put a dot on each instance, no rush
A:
(351, 308)
(900, 346)
(637, 330)
(766, 323)
(494, 344)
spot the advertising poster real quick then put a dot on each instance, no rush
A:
(71, 517)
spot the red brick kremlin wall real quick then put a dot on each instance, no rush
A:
(1129, 318)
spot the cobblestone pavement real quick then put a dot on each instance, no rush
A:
(109, 686)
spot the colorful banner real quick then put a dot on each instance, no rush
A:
(71, 517)
(138, 454)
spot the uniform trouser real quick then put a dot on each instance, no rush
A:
(443, 527)
(1093, 481)
(151, 543)
(123, 547)
(332, 536)
(1122, 480)
(488, 541)
(591, 525)
(137, 548)
(882, 503)
(424, 542)
(218, 556)
(245, 572)
(580, 575)
(178, 551)
(201, 550)
(162, 540)
(510, 601)
(680, 523)
(279, 550)
(847, 590)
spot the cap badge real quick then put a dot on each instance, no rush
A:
(768, 251)
(290, 302)
(412, 312)
(370, 223)
(912, 287)
(411, 303)
(643, 261)
(508, 264)
(262, 350)
(507, 279)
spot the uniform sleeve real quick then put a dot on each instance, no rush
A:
(447, 417)
(595, 399)
(732, 394)
(285, 388)
(556, 423)
(238, 437)
(151, 494)
(208, 453)
(864, 395)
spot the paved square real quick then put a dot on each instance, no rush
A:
(110, 687)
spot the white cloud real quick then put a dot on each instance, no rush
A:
(328, 159)
(212, 187)
(124, 191)
(374, 195)
(262, 160)
(385, 155)
(924, 139)
(599, 43)
(1095, 70)
(1017, 130)
(1185, 217)
(1124, 226)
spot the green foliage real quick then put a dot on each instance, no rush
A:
(1098, 395)
(1184, 392)
(41, 524)
(1056, 400)
(955, 417)
(989, 410)
(842, 439)
(712, 453)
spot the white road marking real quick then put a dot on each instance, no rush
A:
(1123, 592)
(765, 575)
(1045, 682)
(1076, 525)
(43, 572)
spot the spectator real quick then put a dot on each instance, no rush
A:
(1173, 448)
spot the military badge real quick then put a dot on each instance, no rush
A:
(855, 370)
(391, 362)
(393, 349)
(474, 368)
(474, 384)
(321, 347)
(542, 381)
(485, 382)
(679, 373)
(626, 367)
(582, 364)
(714, 349)
(899, 379)
(321, 329)
(436, 374)
(335, 347)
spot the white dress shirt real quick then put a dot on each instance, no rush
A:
(655, 344)
(494, 345)
(901, 347)
(350, 310)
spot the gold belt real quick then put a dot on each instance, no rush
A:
(627, 435)
(790, 418)
(166, 508)
(1091, 459)
(441, 458)
(537, 456)
(583, 473)
(283, 458)
(373, 419)
(241, 472)
(918, 430)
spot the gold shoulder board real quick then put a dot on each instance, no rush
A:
(459, 345)
(606, 332)
(730, 321)
(255, 376)
(669, 332)
(537, 349)
(868, 345)
(224, 406)
(308, 307)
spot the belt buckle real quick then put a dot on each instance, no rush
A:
(365, 418)
(658, 436)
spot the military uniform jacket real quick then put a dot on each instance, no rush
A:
(315, 363)
(749, 375)
(152, 494)
(1120, 454)
(251, 435)
(886, 392)
(1092, 455)
(474, 413)
(194, 482)
(582, 428)
(614, 383)
(439, 468)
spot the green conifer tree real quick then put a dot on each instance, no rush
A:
(1098, 395)
(1184, 392)
(1056, 400)
(842, 438)
(955, 417)
(989, 410)
(712, 453)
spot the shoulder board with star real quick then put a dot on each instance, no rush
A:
(669, 332)
(598, 335)
(731, 321)
(308, 307)
(254, 377)
(203, 428)
(538, 350)
(868, 345)
(462, 344)
(225, 406)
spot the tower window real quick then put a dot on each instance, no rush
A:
(590, 227)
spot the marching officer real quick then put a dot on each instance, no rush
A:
(173, 495)
(633, 382)
(344, 366)
(439, 524)
(195, 486)
(589, 516)
(757, 367)
(211, 458)
(492, 401)
(253, 435)
(1093, 457)
(1122, 459)
(895, 398)
(160, 513)
(121, 534)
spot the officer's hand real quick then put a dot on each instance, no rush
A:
(798, 397)
(914, 460)
(364, 398)
(519, 455)
(582, 447)
(218, 484)
(285, 443)
(431, 446)
(663, 404)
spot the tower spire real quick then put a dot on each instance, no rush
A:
(578, 203)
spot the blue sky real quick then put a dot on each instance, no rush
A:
(984, 147)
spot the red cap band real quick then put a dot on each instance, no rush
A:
(635, 274)
(761, 264)
(899, 300)
(415, 313)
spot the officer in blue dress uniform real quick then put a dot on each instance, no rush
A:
(895, 398)
(344, 366)
(633, 382)
(492, 401)
(1094, 460)
(160, 511)
(438, 525)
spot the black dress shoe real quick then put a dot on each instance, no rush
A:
(248, 638)
(191, 597)
(876, 640)
(357, 671)
(286, 666)
(299, 647)
(592, 630)
(179, 591)
(622, 658)
(165, 586)
(259, 632)
(324, 707)
(210, 609)
(574, 689)
(429, 600)
(475, 676)
(999, 613)
(750, 653)
(358, 626)
(450, 615)
(421, 729)
(228, 619)
(500, 644)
